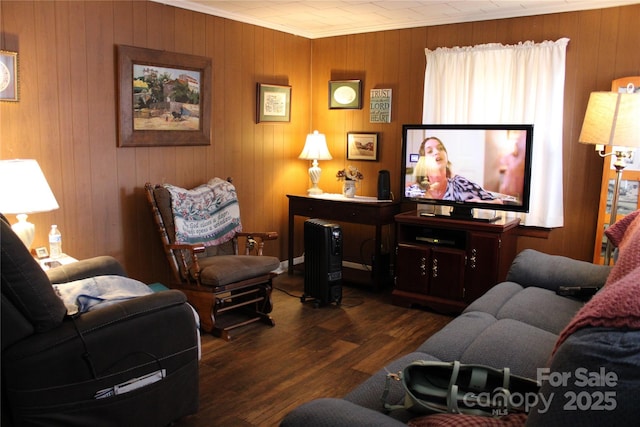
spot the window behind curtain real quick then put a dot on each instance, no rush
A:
(494, 83)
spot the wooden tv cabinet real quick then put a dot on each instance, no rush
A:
(444, 264)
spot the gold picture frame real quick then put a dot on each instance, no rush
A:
(8, 76)
(164, 98)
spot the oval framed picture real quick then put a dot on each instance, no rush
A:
(345, 94)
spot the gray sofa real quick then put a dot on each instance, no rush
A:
(515, 324)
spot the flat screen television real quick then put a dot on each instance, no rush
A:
(468, 167)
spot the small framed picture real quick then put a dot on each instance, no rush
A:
(345, 94)
(362, 146)
(274, 103)
(42, 252)
(8, 76)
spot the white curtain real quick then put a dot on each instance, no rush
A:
(498, 84)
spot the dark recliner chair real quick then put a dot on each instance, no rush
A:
(53, 364)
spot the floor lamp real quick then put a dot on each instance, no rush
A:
(613, 119)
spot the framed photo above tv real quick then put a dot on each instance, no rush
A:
(362, 146)
(165, 98)
(345, 94)
(274, 103)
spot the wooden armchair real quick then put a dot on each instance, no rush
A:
(227, 289)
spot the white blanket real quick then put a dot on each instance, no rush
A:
(100, 291)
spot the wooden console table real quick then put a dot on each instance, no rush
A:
(335, 207)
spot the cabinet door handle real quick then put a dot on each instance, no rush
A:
(434, 268)
(423, 266)
(474, 258)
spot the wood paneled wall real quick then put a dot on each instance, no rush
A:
(67, 120)
(67, 114)
(603, 45)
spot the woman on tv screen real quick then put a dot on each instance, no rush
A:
(434, 178)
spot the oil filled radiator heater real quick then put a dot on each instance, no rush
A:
(322, 262)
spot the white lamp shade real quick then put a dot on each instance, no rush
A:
(315, 148)
(24, 189)
(612, 119)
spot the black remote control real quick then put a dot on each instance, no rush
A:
(577, 291)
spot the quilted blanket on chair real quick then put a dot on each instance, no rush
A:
(208, 214)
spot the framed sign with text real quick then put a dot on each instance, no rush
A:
(273, 103)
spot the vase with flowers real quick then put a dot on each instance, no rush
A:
(350, 177)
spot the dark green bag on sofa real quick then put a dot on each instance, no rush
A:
(452, 387)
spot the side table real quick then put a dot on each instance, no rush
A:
(336, 207)
(48, 263)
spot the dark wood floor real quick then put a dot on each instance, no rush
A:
(265, 372)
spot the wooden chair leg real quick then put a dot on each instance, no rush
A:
(203, 302)
(267, 305)
(210, 307)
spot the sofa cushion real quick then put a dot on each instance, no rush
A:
(331, 412)
(511, 343)
(369, 393)
(508, 300)
(495, 298)
(555, 271)
(452, 341)
(541, 308)
(225, 269)
(26, 285)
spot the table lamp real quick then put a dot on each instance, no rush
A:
(613, 119)
(315, 148)
(24, 190)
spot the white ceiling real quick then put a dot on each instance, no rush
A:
(326, 18)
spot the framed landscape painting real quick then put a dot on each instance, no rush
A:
(362, 146)
(164, 98)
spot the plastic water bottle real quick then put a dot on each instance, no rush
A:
(55, 242)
